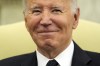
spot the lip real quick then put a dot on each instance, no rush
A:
(47, 31)
(47, 35)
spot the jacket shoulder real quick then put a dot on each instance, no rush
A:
(15, 60)
(95, 56)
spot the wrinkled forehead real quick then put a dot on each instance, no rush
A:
(52, 2)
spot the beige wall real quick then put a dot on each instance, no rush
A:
(90, 9)
(11, 10)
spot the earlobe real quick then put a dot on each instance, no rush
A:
(76, 18)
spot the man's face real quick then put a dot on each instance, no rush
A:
(50, 23)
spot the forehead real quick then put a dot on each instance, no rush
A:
(47, 2)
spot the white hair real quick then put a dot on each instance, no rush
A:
(73, 5)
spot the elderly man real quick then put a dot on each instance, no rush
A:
(50, 24)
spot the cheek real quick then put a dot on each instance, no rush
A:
(31, 22)
(65, 23)
(62, 21)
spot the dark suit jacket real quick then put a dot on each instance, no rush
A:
(80, 58)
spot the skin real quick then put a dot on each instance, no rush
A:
(50, 24)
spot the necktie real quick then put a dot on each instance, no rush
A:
(52, 63)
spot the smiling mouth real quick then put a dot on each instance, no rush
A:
(47, 34)
(47, 31)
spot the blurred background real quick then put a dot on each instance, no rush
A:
(11, 11)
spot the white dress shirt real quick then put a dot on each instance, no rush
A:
(64, 58)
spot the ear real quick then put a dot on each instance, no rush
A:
(25, 19)
(26, 25)
(76, 18)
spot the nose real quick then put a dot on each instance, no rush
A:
(45, 19)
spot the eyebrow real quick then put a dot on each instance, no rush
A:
(36, 7)
(55, 7)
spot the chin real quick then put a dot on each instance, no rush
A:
(47, 44)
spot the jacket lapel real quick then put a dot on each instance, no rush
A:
(31, 61)
(80, 58)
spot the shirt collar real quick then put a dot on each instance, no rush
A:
(64, 58)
